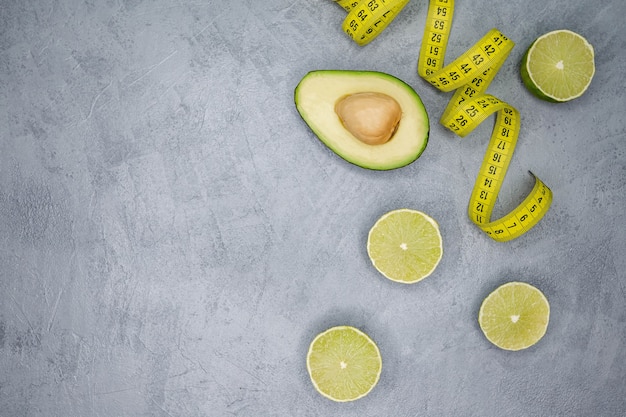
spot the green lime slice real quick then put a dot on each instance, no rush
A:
(558, 66)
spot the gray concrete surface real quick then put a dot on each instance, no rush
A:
(173, 236)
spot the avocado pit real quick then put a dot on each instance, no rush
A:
(371, 117)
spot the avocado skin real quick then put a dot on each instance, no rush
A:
(378, 165)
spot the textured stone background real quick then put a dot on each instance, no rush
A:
(172, 236)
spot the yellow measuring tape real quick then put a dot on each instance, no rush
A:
(366, 19)
(470, 75)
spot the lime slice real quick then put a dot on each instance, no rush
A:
(558, 66)
(514, 316)
(405, 245)
(344, 363)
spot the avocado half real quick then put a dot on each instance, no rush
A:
(318, 92)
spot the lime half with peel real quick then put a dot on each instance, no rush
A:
(405, 245)
(344, 363)
(514, 316)
(558, 66)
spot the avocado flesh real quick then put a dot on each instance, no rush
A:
(315, 98)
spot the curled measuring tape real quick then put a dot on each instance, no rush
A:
(366, 19)
(469, 76)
